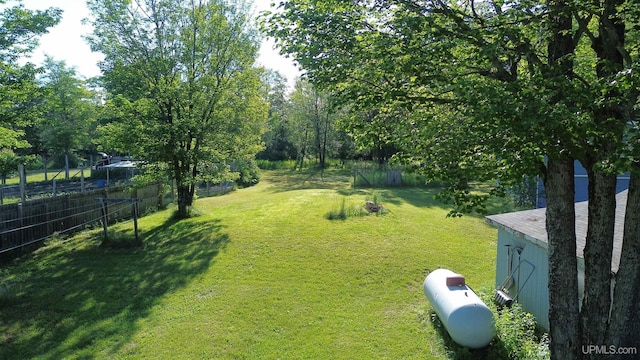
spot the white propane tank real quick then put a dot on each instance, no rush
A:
(467, 319)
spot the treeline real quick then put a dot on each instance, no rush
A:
(307, 124)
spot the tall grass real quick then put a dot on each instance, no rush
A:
(276, 165)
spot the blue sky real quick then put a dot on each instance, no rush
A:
(64, 42)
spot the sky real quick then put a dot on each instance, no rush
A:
(65, 42)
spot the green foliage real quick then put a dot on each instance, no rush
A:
(9, 162)
(275, 165)
(516, 330)
(69, 110)
(21, 28)
(517, 333)
(249, 173)
(183, 91)
(7, 295)
(376, 198)
(372, 204)
(19, 91)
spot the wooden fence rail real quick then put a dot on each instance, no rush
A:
(33, 221)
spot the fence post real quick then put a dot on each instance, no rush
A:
(23, 183)
(67, 212)
(21, 224)
(160, 196)
(355, 177)
(105, 219)
(81, 178)
(134, 212)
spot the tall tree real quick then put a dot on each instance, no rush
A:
(278, 137)
(69, 111)
(498, 90)
(315, 117)
(184, 69)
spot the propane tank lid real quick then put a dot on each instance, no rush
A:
(455, 280)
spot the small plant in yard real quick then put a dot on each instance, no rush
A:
(345, 211)
(340, 214)
(373, 204)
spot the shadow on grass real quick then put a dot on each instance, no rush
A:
(494, 351)
(72, 296)
(340, 180)
(288, 180)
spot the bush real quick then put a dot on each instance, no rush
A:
(518, 335)
(517, 331)
(249, 173)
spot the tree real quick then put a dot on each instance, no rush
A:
(9, 163)
(277, 137)
(19, 91)
(314, 117)
(69, 111)
(499, 91)
(184, 70)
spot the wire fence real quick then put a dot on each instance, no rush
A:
(31, 222)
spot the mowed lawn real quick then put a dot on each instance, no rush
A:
(259, 273)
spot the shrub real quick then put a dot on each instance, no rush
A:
(345, 211)
(518, 335)
(249, 173)
(517, 332)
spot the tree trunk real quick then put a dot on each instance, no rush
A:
(184, 201)
(610, 120)
(597, 258)
(564, 311)
(625, 315)
(44, 164)
(563, 265)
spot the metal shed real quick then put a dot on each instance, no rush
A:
(522, 261)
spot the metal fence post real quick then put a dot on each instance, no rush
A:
(23, 183)
(105, 218)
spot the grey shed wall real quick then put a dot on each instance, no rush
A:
(534, 291)
(526, 230)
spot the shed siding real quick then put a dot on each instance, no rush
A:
(534, 296)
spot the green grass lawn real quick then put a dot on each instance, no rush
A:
(34, 176)
(260, 273)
